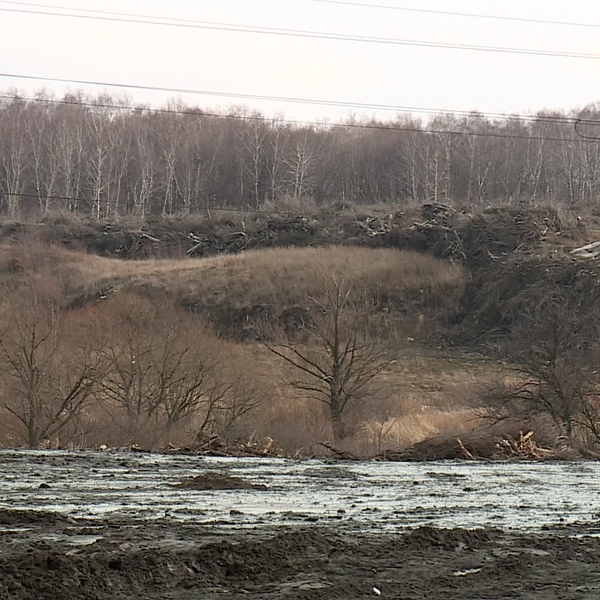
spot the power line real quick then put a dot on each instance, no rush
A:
(591, 138)
(379, 126)
(297, 100)
(455, 14)
(217, 26)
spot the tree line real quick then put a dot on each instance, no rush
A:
(105, 157)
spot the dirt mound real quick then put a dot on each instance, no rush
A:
(449, 539)
(448, 447)
(510, 252)
(310, 563)
(30, 517)
(218, 481)
(105, 571)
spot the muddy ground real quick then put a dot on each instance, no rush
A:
(174, 561)
(92, 526)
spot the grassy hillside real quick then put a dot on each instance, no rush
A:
(485, 283)
(233, 290)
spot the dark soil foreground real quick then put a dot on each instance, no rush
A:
(177, 561)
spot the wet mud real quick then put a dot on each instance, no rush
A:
(113, 526)
(217, 481)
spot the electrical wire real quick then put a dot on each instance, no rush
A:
(451, 13)
(218, 26)
(309, 101)
(583, 135)
(378, 126)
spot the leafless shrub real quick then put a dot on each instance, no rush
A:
(50, 368)
(162, 365)
(553, 371)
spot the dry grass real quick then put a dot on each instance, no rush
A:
(426, 393)
(422, 394)
(280, 277)
(273, 279)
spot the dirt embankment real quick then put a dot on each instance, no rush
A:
(514, 255)
(186, 562)
(476, 238)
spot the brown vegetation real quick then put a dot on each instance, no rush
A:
(166, 374)
(171, 369)
(340, 356)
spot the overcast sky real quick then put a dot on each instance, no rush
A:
(244, 63)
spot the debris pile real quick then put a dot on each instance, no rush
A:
(214, 445)
(478, 239)
(501, 295)
(524, 447)
(476, 446)
(474, 238)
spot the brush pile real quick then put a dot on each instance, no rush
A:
(481, 238)
(523, 447)
(475, 446)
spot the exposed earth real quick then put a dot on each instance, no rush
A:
(113, 525)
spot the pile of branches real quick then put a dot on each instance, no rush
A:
(214, 445)
(496, 233)
(475, 239)
(475, 446)
(445, 447)
(481, 238)
(523, 447)
(500, 297)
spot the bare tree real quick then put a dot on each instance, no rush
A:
(300, 160)
(86, 154)
(554, 374)
(13, 155)
(243, 396)
(162, 366)
(49, 373)
(252, 137)
(340, 361)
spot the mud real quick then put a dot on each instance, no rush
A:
(217, 481)
(113, 526)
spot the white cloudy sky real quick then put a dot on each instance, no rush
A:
(243, 63)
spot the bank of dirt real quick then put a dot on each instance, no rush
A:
(182, 562)
(514, 255)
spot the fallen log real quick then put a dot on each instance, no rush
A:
(339, 453)
(464, 450)
(151, 238)
(588, 251)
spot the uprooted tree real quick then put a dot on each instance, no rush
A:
(553, 351)
(338, 360)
